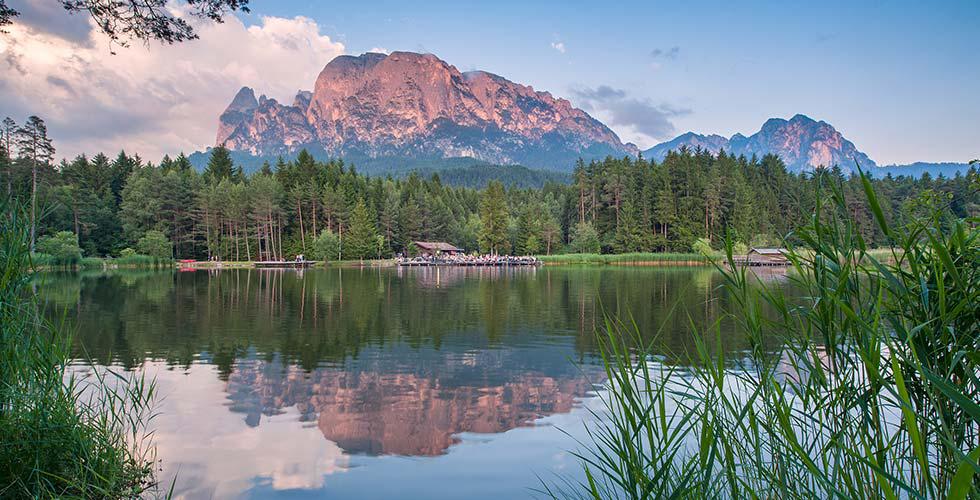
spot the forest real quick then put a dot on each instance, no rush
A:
(108, 207)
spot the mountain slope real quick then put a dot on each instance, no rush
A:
(417, 106)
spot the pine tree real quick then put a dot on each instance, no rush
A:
(493, 214)
(630, 237)
(35, 147)
(182, 163)
(361, 239)
(8, 130)
(220, 166)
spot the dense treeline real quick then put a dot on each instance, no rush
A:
(326, 210)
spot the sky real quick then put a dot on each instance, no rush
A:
(900, 79)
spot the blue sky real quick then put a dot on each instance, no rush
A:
(900, 78)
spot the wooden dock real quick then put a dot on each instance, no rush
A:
(428, 263)
(743, 260)
(284, 264)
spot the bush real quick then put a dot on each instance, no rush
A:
(325, 247)
(585, 239)
(60, 438)
(126, 252)
(764, 241)
(155, 244)
(62, 247)
(702, 246)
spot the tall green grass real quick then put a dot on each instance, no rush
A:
(873, 394)
(623, 258)
(43, 261)
(60, 435)
(141, 261)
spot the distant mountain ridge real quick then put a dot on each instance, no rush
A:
(802, 142)
(417, 106)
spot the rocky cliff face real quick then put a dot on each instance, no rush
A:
(802, 143)
(417, 105)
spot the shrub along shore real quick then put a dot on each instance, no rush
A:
(61, 436)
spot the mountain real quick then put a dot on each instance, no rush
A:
(713, 143)
(417, 106)
(802, 142)
(918, 168)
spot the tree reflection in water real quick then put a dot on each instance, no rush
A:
(386, 361)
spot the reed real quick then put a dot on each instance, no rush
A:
(873, 394)
(141, 261)
(62, 435)
(45, 262)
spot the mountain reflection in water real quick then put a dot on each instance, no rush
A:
(373, 413)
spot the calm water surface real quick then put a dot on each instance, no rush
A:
(374, 383)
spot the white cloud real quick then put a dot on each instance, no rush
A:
(380, 50)
(156, 99)
(559, 46)
(213, 451)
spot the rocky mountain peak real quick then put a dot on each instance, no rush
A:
(802, 142)
(417, 105)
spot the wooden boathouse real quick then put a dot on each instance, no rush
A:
(436, 248)
(766, 257)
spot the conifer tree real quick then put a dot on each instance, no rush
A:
(220, 166)
(362, 237)
(34, 146)
(8, 129)
(493, 214)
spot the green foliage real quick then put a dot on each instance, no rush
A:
(632, 205)
(361, 242)
(871, 392)
(220, 166)
(126, 253)
(138, 261)
(495, 219)
(764, 241)
(155, 244)
(62, 247)
(62, 437)
(325, 247)
(702, 247)
(585, 239)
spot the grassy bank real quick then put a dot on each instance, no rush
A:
(635, 259)
(44, 262)
(875, 392)
(60, 437)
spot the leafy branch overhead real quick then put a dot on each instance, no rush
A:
(146, 20)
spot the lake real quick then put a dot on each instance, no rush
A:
(374, 383)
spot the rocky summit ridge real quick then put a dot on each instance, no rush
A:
(802, 142)
(417, 105)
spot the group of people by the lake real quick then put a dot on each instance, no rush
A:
(459, 259)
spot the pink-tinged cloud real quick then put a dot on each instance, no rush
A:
(152, 99)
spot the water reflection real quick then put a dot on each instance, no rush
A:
(375, 413)
(274, 380)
